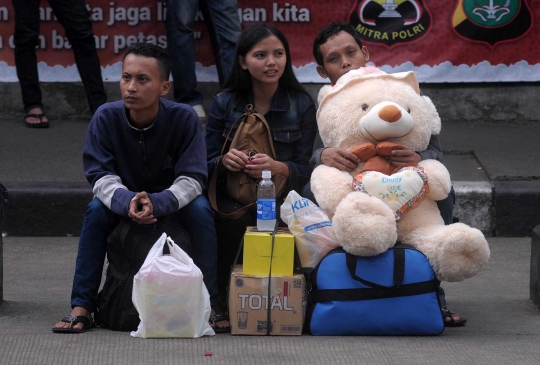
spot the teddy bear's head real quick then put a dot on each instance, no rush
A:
(369, 105)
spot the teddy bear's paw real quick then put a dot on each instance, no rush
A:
(364, 226)
(463, 252)
(330, 186)
(438, 177)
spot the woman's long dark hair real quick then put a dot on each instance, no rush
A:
(240, 80)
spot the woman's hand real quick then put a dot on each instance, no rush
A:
(235, 160)
(261, 162)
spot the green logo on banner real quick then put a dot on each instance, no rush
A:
(492, 21)
(491, 13)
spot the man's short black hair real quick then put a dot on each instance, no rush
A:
(151, 50)
(329, 31)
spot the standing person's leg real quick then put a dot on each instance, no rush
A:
(181, 46)
(74, 17)
(99, 222)
(26, 38)
(223, 22)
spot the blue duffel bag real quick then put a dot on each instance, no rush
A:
(394, 293)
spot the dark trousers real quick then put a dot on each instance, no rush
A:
(74, 17)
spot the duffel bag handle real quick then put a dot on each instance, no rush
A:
(399, 270)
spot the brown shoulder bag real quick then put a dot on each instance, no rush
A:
(253, 136)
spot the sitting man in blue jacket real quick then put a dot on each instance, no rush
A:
(145, 158)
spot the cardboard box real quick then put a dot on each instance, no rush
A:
(249, 304)
(258, 249)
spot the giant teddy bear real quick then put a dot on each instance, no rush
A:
(370, 113)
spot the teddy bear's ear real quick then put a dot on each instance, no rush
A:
(325, 90)
(433, 115)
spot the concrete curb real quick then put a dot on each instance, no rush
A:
(516, 206)
(474, 204)
(56, 210)
(50, 210)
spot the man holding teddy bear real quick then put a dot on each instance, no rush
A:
(337, 50)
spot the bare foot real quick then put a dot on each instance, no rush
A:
(76, 311)
(34, 120)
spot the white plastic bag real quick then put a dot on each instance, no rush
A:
(170, 296)
(311, 228)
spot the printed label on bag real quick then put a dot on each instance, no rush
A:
(266, 209)
(311, 227)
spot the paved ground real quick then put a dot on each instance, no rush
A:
(503, 325)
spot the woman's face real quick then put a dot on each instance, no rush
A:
(266, 61)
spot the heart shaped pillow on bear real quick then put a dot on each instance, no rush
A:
(401, 191)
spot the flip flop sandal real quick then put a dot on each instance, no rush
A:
(218, 318)
(73, 320)
(41, 124)
(452, 323)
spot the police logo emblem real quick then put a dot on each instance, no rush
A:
(492, 21)
(390, 22)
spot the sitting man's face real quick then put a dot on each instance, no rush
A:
(141, 83)
(341, 54)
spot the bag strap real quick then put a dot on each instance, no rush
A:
(230, 131)
(399, 270)
(328, 295)
(269, 294)
(212, 187)
(263, 120)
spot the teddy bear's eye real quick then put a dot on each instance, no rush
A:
(409, 110)
(365, 107)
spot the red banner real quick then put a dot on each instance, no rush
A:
(442, 41)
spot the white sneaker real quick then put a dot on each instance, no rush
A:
(200, 111)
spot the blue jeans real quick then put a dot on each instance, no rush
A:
(75, 19)
(223, 23)
(100, 221)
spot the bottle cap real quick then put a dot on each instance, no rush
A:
(266, 174)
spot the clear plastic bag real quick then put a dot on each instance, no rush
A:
(311, 228)
(170, 296)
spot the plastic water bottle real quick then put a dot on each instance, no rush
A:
(266, 203)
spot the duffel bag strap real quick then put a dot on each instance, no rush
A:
(399, 270)
(329, 295)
